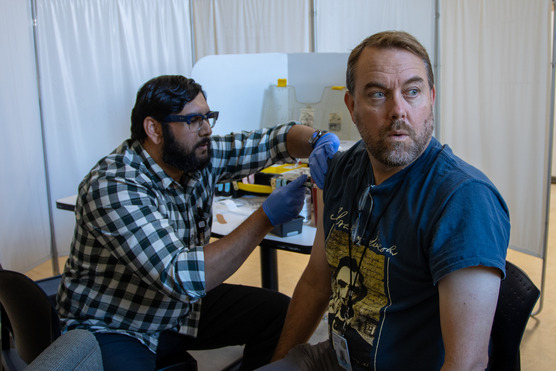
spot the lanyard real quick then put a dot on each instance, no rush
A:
(348, 312)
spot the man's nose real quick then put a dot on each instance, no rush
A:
(205, 130)
(397, 106)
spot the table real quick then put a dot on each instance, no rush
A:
(66, 203)
(234, 212)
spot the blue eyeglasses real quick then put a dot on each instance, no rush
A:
(358, 231)
(194, 120)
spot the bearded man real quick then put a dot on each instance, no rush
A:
(142, 274)
(427, 231)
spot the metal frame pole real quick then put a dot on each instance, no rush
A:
(436, 67)
(192, 32)
(53, 248)
(313, 25)
(549, 168)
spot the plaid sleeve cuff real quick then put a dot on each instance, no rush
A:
(191, 272)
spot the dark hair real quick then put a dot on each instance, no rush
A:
(159, 97)
(388, 40)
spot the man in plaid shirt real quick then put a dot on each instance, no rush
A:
(141, 274)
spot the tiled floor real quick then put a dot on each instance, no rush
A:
(539, 341)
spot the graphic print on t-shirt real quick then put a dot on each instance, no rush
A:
(369, 295)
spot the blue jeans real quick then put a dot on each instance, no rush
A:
(230, 315)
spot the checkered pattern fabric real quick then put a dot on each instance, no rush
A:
(136, 264)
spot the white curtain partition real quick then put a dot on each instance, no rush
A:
(93, 56)
(496, 78)
(251, 26)
(341, 25)
(24, 223)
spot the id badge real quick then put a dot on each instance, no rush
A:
(342, 351)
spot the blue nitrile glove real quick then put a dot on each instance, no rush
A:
(285, 203)
(325, 148)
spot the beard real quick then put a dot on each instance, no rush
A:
(177, 156)
(399, 153)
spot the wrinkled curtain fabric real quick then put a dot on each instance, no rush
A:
(341, 25)
(251, 26)
(24, 221)
(92, 55)
(495, 75)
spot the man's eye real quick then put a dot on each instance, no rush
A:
(377, 95)
(196, 119)
(413, 92)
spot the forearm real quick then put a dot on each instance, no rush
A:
(224, 256)
(297, 141)
(310, 297)
(304, 315)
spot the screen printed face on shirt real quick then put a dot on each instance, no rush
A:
(364, 269)
(367, 277)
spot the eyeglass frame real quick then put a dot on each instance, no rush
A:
(355, 232)
(187, 119)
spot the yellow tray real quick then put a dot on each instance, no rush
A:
(256, 188)
(284, 168)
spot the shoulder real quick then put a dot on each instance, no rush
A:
(345, 171)
(344, 161)
(441, 175)
(128, 165)
(439, 170)
(129, 160)
(468, 219)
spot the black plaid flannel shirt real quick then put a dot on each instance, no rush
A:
(136, 264)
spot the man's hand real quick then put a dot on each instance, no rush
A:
(325, 148)
(285, 203)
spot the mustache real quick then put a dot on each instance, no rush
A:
(202, 142)
(396, 125)
(400, 125)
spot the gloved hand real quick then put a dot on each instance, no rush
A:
(285, 203)
(325, 148)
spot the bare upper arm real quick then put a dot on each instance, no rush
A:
(318, 270)
(467, 299)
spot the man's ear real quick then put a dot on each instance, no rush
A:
(350, 103)
(153, 129)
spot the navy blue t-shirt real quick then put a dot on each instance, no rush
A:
(434, 217)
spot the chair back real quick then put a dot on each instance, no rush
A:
(33, 321)
(516, 300)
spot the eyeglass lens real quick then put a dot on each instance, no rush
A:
(196, 121)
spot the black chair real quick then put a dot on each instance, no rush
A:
(30, 323)
(517, 298)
